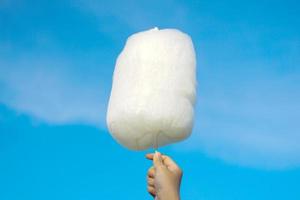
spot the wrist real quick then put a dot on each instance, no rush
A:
(168, 195)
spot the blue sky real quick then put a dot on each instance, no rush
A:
(56, 64)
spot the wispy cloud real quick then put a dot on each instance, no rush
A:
(48, 90)
(247, 111)
(49, 73)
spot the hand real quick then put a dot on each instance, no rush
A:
(164, 177)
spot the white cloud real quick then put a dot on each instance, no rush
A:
(47, 89)
(250, 119)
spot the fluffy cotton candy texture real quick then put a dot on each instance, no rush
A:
(154, 90)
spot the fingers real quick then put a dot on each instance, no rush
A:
(150, 181)
(157, 164)
(151, 172)
(171, 164)
(149, 156)
(151, 190)
(157, 160)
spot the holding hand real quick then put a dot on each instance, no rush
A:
(164, 177)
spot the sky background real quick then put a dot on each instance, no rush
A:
(56, 63)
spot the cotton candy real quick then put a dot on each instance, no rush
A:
(154, 90)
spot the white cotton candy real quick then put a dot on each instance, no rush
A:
(154, 90)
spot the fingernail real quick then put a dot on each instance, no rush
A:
(157, 153)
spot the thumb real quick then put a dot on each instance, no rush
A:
(157, 160)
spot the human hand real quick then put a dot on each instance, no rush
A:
(164, 177)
